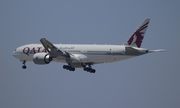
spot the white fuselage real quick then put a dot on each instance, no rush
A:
(83, 55)
(86, 53)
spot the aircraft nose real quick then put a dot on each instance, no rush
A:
(14, 53)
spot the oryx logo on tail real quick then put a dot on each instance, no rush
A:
(137, 37)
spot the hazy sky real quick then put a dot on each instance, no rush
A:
(148, 81)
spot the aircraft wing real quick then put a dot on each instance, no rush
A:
(51, 49)
(55, 52)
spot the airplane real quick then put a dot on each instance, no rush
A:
(84, 55)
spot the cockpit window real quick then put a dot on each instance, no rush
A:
(15, 50)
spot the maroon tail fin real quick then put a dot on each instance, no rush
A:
(138, 35)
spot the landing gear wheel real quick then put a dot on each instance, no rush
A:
(73, 69)
(64, 66)
(24, 67)
(67, 67)
(93, 70)
(89, 69)
(84, 69)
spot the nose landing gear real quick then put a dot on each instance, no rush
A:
(24, 66)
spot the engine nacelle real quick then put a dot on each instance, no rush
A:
(42, 58)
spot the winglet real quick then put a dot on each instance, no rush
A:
(137, 37)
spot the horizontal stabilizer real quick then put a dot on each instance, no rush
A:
(135, 50)
(131, 50)
(158, 50)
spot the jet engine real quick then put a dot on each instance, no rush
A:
(42, 58)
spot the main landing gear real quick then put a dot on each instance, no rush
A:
(89, 69)
(68, 67)
(24, 66)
